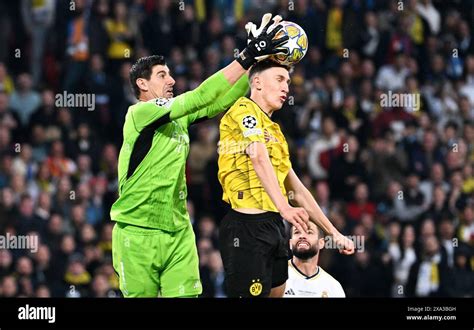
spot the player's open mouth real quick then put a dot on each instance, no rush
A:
(303, 244)
(283, 99)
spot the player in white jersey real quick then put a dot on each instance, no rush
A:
(305, 277)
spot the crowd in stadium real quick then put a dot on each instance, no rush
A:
(401, 177)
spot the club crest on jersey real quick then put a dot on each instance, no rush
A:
(249, 122)
(256, 287)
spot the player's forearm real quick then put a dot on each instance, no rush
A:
(233, 72)
(303, 198)
(266, 174)
(239, 89)
(205, 94)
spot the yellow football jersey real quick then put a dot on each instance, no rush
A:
(244, 123)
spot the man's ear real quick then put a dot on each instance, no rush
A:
(321, 243)
(257, 82)
(142, 84)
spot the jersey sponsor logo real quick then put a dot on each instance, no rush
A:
(249, 122)
(268, 137)
(250, 132)
(256, 287)
(181, 139)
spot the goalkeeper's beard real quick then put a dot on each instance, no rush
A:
(306, 254)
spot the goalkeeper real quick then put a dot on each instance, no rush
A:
(153, 244)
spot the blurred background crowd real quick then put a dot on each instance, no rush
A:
(400, 177)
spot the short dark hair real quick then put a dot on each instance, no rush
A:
(451, 124)
(142, 69)
(264, 65)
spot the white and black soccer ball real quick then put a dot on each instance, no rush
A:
(249, 122)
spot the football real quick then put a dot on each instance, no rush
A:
(297, 44)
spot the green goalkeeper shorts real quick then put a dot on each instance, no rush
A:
(155, 263)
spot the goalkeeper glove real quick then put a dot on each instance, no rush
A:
(262, 45)
(253, 32)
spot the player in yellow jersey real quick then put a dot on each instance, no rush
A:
(255, 173)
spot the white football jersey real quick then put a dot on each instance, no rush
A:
(320, 285)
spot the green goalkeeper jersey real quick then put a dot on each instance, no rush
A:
(151, 166)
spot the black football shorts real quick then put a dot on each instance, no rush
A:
(254, 250)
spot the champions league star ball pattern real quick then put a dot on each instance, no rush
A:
(249, 122)
(297, 44)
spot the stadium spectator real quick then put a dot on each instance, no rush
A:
(6, 82)
(324, 149)
(322, 194)
(392, 76)
(99, 38)
(42, 291)
(202, 150)
(24, 101)
(360, 204)
(77, 50)
(121, 35)
(42, 262)
(23, 164)
(466, 228)
(368, 277)
(9, 287)
(38, 18)
(446, 230)
(6, 262)
(349, 163)
(76, 278)
(213, 276)
(157, 29)
(8, 118)
(24, 271)
(428, 275)
(403, 256)
(100, 286)
(461, 281)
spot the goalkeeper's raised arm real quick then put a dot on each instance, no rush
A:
(156, 83)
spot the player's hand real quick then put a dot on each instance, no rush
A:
(297, 216)
(252, 30)
(262, 45)
(345, 245)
